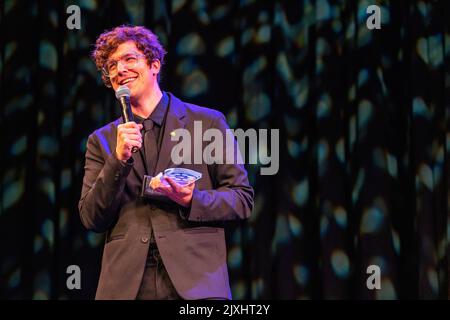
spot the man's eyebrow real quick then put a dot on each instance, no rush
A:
(124, 55)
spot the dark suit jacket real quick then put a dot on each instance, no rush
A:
(191, 242)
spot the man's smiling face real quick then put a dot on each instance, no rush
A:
(138, 78)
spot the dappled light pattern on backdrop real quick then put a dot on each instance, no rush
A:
(364, 139)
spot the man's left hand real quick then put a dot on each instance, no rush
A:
(176, 192)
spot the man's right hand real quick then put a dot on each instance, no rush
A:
(128, 136)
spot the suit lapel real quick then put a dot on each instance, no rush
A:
(138, 166)
(176, 119)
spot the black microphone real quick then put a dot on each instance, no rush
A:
(123, 95)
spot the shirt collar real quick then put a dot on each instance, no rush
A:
(157, 116)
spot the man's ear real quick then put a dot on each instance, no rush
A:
(155, 66)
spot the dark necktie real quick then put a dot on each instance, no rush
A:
(150, 146)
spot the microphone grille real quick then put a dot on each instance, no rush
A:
(122, 91)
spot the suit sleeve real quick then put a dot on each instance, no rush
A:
(104, 180)
(232, 199)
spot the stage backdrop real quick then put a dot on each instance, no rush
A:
(364, 139)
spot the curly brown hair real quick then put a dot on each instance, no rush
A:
(144, 39)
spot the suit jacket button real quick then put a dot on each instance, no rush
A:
(144, 239)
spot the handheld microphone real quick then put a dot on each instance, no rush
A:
(123, 95)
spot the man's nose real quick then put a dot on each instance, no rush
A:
(120, 67)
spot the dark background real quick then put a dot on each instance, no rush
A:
(364, 139)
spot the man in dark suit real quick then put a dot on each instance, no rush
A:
(156, 249)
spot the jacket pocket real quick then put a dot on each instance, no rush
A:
(201, 230)
(115, 237)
